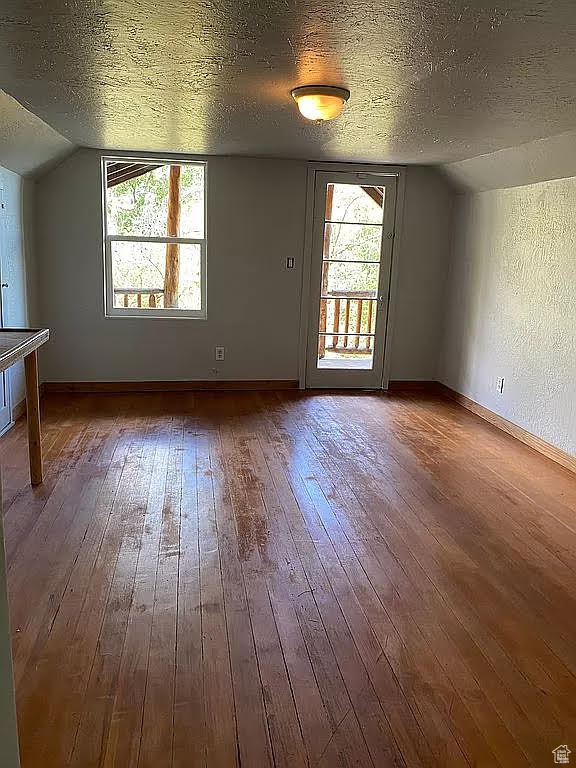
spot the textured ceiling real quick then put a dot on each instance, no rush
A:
(430, 81)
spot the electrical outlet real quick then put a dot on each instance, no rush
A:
(500, 384)
(219, 353)
(290, 262)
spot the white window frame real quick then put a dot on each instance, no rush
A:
(172, 313)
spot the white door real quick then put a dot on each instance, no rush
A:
(352, 238)
(5, 411)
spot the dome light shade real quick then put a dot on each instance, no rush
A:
(320, 102)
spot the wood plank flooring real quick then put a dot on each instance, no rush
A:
(248, 580)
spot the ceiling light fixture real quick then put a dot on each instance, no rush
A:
(320, 102)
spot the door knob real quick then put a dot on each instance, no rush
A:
(4, 285)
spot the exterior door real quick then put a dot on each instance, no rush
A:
(352, 238)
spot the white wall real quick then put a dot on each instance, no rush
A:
(256, 215)
(511, 307)
(255, 219)
(418, 321)
(16, 249)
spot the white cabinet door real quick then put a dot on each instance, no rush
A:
(5, 408)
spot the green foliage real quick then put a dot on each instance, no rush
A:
(139, 207)
(359, 240)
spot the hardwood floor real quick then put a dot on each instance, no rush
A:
(287, 579)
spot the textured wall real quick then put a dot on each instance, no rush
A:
(256, 219)
(16, 240)
(512, 306)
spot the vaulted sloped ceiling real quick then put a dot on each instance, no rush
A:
(431, 81)
(27, 144)
(541, 160)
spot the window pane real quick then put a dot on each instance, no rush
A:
(192, 201)
(353, 241)
(355, 203)
(138, 271)
(344, 278)
(137, 197)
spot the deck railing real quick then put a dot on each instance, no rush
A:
(347, 321)
(152, 298)
(350, 315)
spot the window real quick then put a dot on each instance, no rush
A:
(155, 238)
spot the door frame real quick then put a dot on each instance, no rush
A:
(346, 378)
(313, 168)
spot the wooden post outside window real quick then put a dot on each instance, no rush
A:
(172, 272)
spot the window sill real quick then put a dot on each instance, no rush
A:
(134, 315)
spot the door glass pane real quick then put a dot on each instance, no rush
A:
(355, 242)
(347, 316)
(346, 352)
(350, 274)
(346, 338)
(343, 278)
(354, 203)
